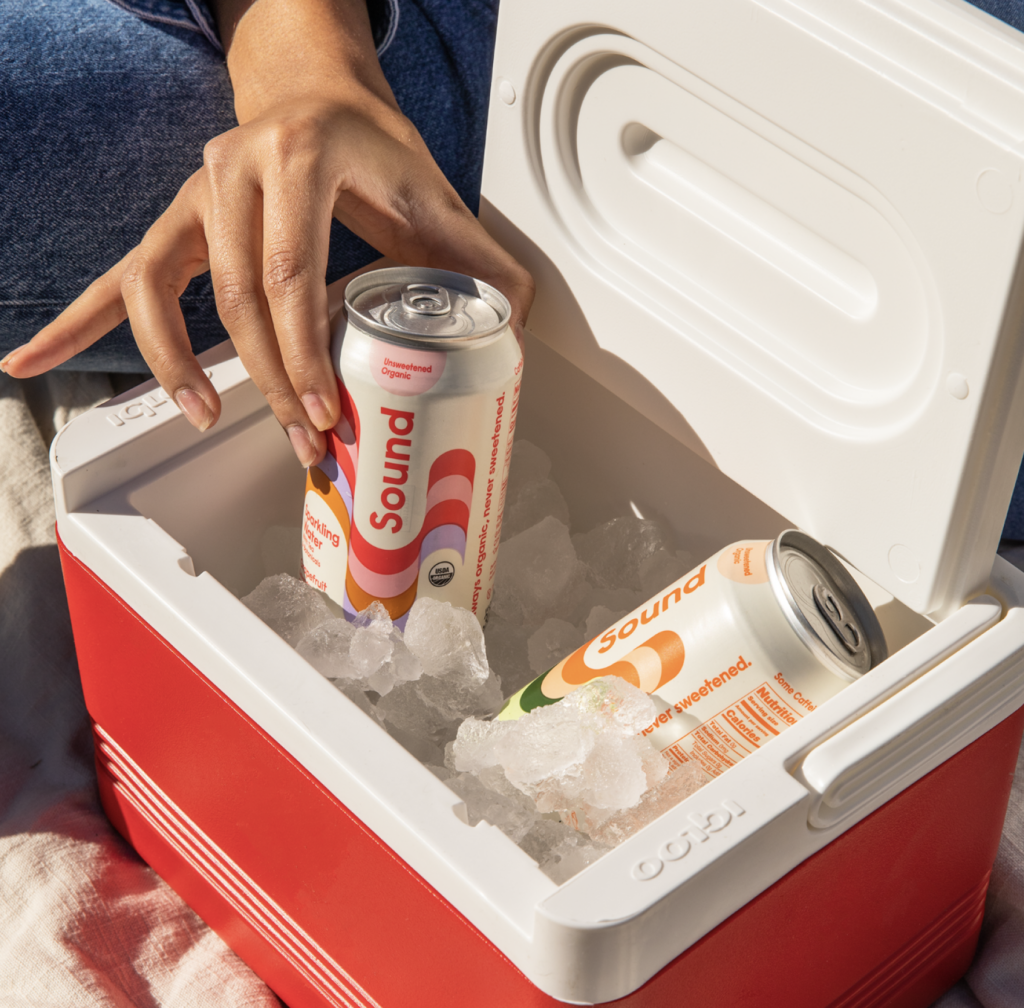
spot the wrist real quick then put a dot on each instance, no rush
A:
(287, 51)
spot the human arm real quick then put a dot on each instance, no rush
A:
(320, 134)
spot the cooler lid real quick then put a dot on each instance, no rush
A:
(788, 232)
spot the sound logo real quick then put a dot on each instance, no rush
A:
(374, 570)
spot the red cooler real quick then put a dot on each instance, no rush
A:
(777, 247)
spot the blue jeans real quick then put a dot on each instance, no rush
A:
(105, 115)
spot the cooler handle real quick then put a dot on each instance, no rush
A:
(962, 696)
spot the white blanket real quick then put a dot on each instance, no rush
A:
(83, 921)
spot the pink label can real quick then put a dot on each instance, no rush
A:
(408, 499)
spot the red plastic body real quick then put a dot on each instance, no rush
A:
(886, 915)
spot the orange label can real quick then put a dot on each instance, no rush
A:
(734, 652)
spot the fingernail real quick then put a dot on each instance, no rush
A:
(318, 412)
(193, 405)
(302, 444)
(7, 359)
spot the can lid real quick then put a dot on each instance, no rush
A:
(407, 304)
(825, 605)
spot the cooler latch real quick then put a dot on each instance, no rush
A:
(944, 688)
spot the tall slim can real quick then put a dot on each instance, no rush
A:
(408, 499)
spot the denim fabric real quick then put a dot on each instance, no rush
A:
(196, 15)
(107, 105)
(193, 15)
(97, 104)
(1010, 11)
(1013, 526)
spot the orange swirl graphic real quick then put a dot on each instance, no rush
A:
(648, 666)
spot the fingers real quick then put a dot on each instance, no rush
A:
(91, 315)
(235, 225)
(258, 216)
(336, 290)
(296, 239)
(497, 267)
(452, 238)
(154, 277)
(409, 211)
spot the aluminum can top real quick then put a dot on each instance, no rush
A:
(825, 606)
(426, 307)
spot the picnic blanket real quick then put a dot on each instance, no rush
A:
(83, 921)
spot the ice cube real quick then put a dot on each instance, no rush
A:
(530, 495)
(574, 852)
(446, 640)
(614, 778)
(616, 550)
(615, 703)
(533, 503)
(581, 758)
(405, 709)
(449, 645)
(543, 755)
(682, 782)
(559, 849)
(494, 778)
(538, 575)
(473, 749)
(366, 654)
(354, 691)
(580, 754)
(553, 641)
(544, 836)
(513, 816)
(288, 606)
(377, 652)
(507, 652)
(456, 697)
(326, 648)
(419, 711)
(528, 464)
(418, 745)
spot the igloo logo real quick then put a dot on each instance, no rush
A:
(702, 825)
(146, 406)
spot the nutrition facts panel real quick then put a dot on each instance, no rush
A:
(745, 725)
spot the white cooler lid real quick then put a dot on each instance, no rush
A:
(797, 227)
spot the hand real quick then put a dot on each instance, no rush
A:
(258, 214)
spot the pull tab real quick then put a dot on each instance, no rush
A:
(845, 628)
(426, 299)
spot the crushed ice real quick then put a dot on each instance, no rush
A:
(435, 687)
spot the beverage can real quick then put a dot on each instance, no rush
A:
(734, 652)
(408, 499)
